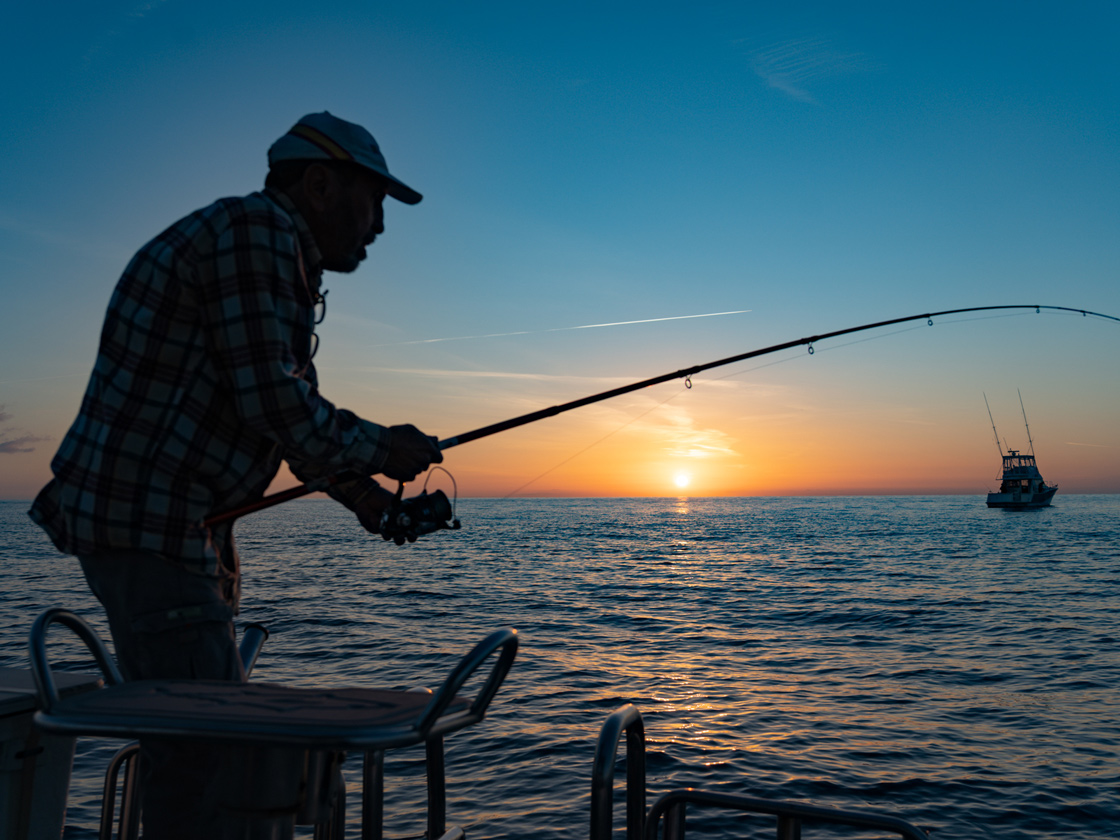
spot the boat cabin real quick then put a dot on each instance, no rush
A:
(1019, 471)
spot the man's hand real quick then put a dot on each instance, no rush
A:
(410, 453)
(370, 507)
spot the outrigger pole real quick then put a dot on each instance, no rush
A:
(1025, 423)
(685, 374)
(994, 432)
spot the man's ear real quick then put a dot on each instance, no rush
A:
(319, 185)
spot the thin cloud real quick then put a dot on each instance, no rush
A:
(674, 425)
(54, 239)
(563, 329)
(13, 441)
(485, 374)
(526, 377)
(684, 439)
(42, 378)
(19, 444)
(792, 66)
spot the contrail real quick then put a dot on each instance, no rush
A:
(562, 329)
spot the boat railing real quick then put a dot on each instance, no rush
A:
(672, 806)
(790, 815)
(629, 720)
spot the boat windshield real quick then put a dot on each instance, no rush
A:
(1013, 462)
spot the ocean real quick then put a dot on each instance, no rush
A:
(924, 657)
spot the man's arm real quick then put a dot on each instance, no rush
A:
(257, 317)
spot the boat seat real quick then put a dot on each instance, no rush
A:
(266, 715)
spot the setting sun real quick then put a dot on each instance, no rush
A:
(682, 480)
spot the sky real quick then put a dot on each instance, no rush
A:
(596, 178)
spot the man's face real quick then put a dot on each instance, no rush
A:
(351, 217)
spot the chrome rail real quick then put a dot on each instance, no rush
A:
(40, 666)
(672, 805)
(438, 723)
(253, 638)
(790, 815)
(629, 720)
(127, 757)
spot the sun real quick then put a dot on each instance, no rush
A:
(682, 480)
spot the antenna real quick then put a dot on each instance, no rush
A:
(1025, 423)
(1000, 448)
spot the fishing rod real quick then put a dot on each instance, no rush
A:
(685, 374)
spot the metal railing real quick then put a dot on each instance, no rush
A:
(629, 720)
(790, 816)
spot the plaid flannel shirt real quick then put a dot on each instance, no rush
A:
(203, 383)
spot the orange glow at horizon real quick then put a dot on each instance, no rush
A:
(745, 439)
(803, 449)
(706, 451)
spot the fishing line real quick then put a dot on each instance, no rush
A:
(800, 356)
(454, 485)
(792, 358)
(665, 401)
(685, 374)
(593, 444)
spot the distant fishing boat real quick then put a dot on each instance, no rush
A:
(1022, 486)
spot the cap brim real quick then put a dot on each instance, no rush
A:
(401, 192)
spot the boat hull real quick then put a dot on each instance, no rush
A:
(1022, 501)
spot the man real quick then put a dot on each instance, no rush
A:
(203, 384)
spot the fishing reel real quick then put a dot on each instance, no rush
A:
(407, 519)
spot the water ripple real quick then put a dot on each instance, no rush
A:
(882, 654)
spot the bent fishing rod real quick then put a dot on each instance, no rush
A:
(685, 374)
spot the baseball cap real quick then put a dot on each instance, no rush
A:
(324, 136)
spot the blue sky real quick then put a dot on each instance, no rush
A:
(819, 165)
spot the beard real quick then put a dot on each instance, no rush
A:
(344, 240)
(345, 263)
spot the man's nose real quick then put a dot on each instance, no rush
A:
(377, 228)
